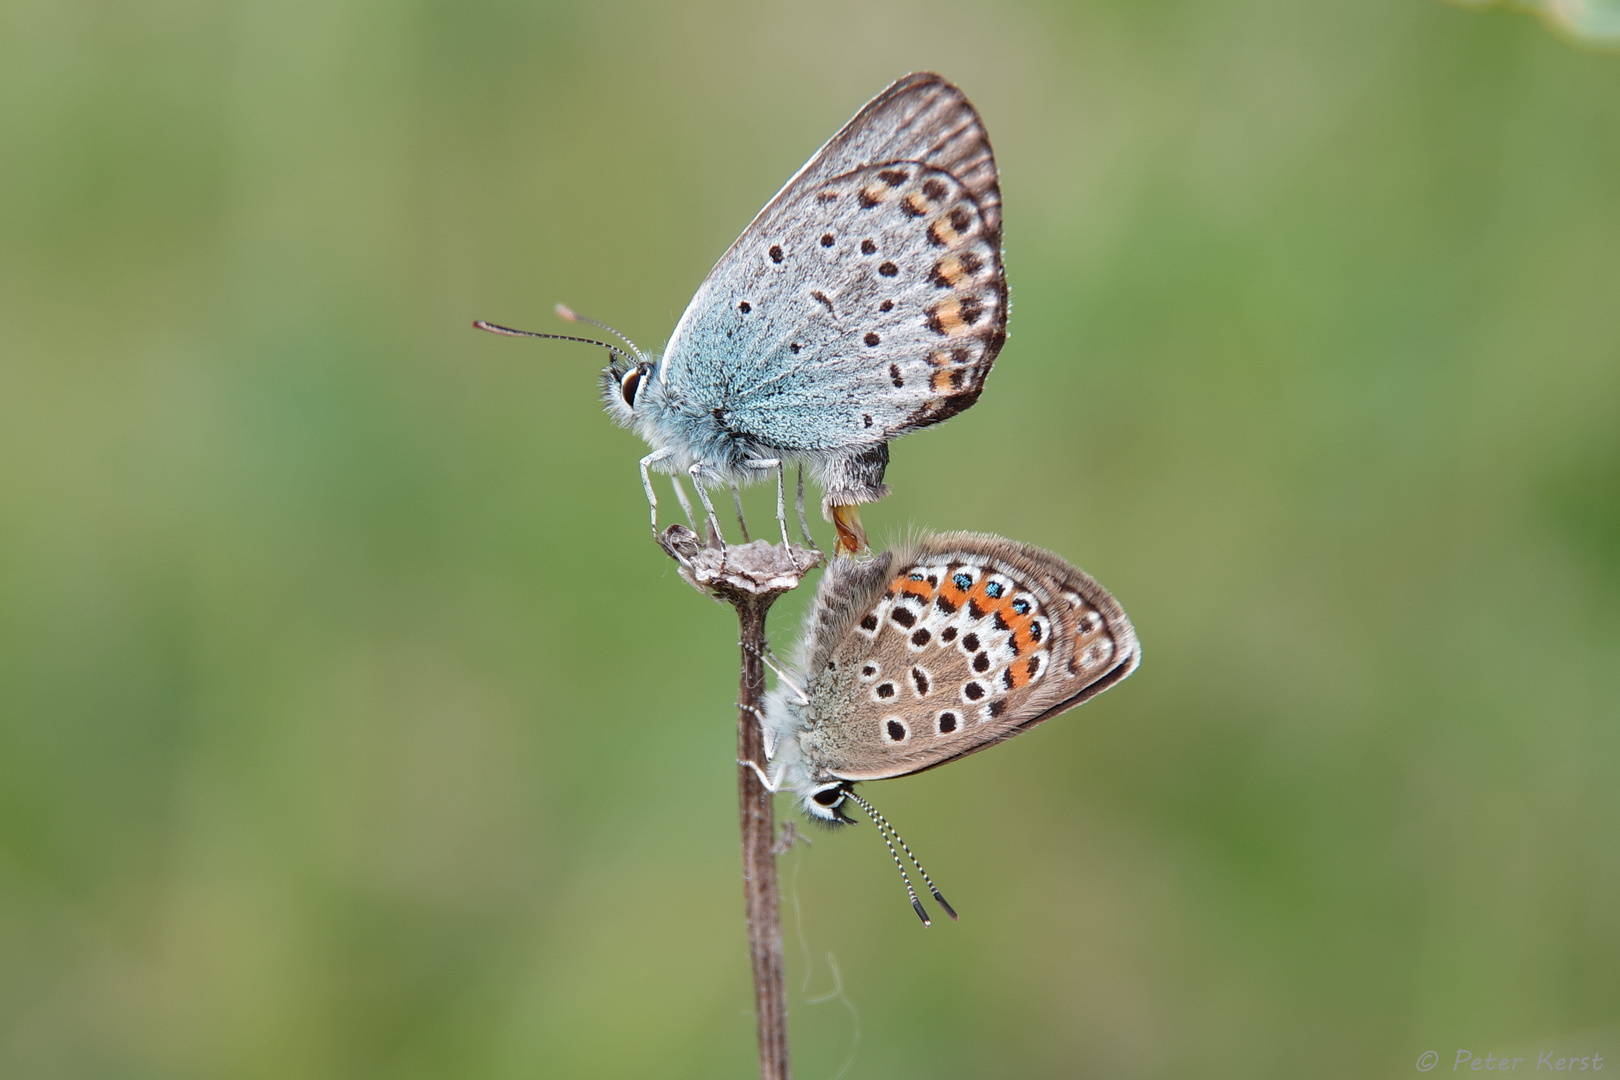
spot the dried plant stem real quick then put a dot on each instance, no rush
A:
(759, 862)
(750, 577)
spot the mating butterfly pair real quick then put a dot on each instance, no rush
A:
(865, 301)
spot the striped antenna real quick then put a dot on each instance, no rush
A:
(888, 831)
(617, 352)
(568, 314)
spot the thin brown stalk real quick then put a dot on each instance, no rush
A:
(758, 858)
(750, 577)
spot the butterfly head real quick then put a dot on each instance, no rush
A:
(624, 385)
(824, 803)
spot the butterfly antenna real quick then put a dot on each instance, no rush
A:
(509, 332)
(889, 830)
(916, 904)
(568, 314)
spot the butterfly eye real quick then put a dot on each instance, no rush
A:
(630, 384)
(828, 796)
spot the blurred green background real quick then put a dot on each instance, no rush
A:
(352, 726)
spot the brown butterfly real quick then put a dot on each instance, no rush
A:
(917, 657)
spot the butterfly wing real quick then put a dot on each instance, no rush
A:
(921, 117)
(868, 298)
(961, 643)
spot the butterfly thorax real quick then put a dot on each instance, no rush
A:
(696, 424)
(791, 746)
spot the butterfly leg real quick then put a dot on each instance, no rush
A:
(646, 484)
(804, 526)
(768, 735)
(742, 523)
(708, 506)
(680, 494)
(781, 505)
(772, 786)
(787, 679)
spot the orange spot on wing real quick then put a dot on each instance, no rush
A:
(903, 585)
(1002, 607)
(942, 234)
(945, 317)
(952, 594)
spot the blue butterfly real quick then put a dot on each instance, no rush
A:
(867, 300)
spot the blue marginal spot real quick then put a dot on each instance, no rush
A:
(1021, 606)
(962, 581)
(993, 590)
